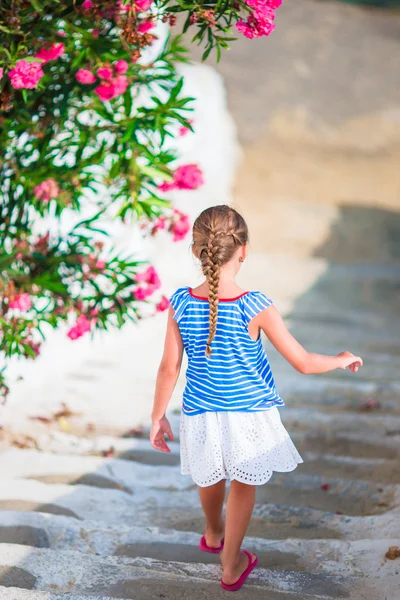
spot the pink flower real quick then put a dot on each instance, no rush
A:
(163, 304)
(246, 30)
(145, 26)
(95, 33)
(180, 226)
(105, 91)
(35, 347)
(105, 73)
(51, 53)
(142, 293)
(158, 225)
(1, 72)
(121, 66)
(122, 6)
(111, 89)
(142, 5)
(21, 302)
(274, 3)
(182, 131)
(81, 327)
(85, 76)
(120, 84)
(100, 265)
(47, 190)
(26, 75)
(149, 276)
(186, 177)
(87, 5)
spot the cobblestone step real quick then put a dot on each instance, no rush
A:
(330, 556)
(121, 577)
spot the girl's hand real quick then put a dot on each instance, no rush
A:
(347, 359)
(158, 430)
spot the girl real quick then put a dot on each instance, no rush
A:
(230, 423)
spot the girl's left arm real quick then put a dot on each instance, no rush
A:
(167, 376)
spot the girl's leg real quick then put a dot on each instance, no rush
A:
(212, 500)
(239, 509)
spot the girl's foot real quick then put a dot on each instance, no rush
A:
(234, 577)
(214, 539)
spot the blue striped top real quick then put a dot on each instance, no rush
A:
(237, 376)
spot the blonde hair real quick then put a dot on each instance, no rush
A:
(217, 233)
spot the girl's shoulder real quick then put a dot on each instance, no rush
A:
(252, 303)
(179, 300)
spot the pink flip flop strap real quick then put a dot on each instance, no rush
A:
(206, 548)
(252, 564)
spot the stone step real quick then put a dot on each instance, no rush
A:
(363, 557)
(347, 399)
(354, 445)
(305, 419)
(89, 470)
(14, 593)
(379, 470)
(182, 512)
(144, 578)
(349, 497)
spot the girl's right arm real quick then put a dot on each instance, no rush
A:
(271, 322)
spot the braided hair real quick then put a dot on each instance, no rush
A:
(217, 233)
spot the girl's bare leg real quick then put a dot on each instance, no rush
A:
(212, 500)
(239, 509)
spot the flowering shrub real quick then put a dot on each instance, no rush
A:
(82, 111)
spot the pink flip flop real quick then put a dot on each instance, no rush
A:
(205, 548)
(251, 565)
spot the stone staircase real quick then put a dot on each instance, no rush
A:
(80, 526)
(81, 522)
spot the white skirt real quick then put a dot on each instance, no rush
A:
(245, 446)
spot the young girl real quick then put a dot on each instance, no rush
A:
(230, 423)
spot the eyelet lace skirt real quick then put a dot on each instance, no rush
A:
(247, 447)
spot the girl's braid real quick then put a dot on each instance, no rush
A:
(211, 272)
(217, 233)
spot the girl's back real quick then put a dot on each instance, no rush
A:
(237, 375)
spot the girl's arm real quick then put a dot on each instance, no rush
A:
(271, 322)
(167, 376)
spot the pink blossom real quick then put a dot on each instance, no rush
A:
(163, 304)
(26, 75)
(121, 66)
(120, 84)
(81, 327)
(180, 226)
(246, 30)
(145, 26)
(87, 5)
(158, 225)
(85, 76)
(122, 6)
(111, 89)
(274, 3)
(105, 91)
(188, 177)
(21, 302)
(149, 276)
(95, 33)
(1, 72)
(142, 5)
(105, 73)
(100, 265)
(47, 190)
(142, 293)
(51, 53)
(182, 131)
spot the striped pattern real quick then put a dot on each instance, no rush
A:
(237, 376)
